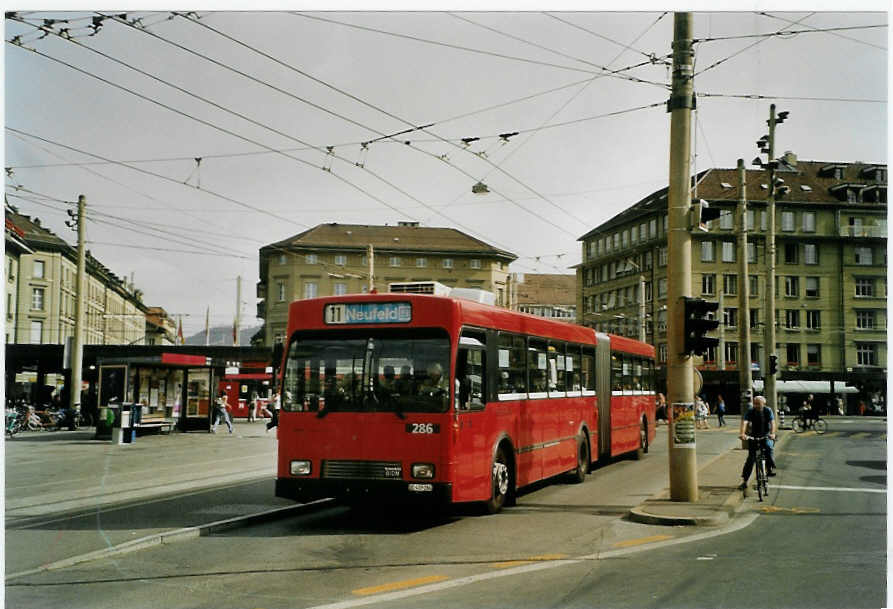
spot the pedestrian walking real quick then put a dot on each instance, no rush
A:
(701, 412)
(274, 412)
(720, 411)
(221, 410)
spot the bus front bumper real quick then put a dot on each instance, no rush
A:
(362, 491)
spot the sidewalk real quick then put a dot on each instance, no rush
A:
(718, 494)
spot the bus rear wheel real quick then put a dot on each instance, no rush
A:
(578, 475)
(643, 440)
(501, 478)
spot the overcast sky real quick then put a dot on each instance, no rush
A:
(262, 95)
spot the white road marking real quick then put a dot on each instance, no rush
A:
(740, 523)
(840, 489)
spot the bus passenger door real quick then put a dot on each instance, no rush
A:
(470, 453)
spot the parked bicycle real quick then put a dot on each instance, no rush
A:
(762, 475)
(801, 424)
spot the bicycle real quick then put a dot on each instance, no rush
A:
(762, 475)
(801, 424)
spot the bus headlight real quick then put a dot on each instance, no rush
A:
(423, 470)
(300, 468)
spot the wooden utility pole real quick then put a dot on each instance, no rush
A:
(77, 351)
(680, 370)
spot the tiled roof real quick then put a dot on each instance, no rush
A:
(717, 185)
(390, 239)
(551, 289)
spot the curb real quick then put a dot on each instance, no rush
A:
(177, 535)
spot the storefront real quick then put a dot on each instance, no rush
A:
(171, 387)
(248, 387)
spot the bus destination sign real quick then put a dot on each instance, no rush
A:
(368, 313)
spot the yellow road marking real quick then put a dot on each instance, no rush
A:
(527, 561)
(860, 435)
(640, 541)
(774, 509)
(409, 583)
(831, 434)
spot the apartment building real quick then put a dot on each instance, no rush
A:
(550, 295)
(42, 290)
(334, 259)
(831, 271)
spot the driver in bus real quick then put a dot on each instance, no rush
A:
(434, 383)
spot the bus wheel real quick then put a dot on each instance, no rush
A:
(643, 440)
(578, 475)
(500, 476)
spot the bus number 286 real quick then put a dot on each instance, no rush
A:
(424, 428)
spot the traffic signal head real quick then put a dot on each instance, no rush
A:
(697, 324)
(773, 364)
(703, 213)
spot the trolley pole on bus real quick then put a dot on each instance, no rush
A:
(680, 370)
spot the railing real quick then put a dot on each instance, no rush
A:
(873, 232)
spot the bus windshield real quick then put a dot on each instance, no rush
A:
(395, 371)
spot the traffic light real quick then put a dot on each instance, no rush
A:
(773, 364)
(703, 214)
(697, 324)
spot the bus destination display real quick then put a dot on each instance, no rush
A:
(368, 313)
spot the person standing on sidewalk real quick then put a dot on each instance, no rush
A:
(221, 410)
(720, 411)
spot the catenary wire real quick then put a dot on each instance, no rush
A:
(850, 38)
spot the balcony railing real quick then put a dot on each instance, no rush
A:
(869, 232)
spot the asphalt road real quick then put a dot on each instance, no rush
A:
(563, 546)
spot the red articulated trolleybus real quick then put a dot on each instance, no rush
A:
(409, 396)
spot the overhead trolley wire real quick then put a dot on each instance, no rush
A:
(850, 38)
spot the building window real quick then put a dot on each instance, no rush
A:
(863, 256)
(791, 286)
(810, 253)
(37, 298)
(662, 287)
(280, 291)
(866, 354)
(708, 251)
(662, 353)
(282, 259)
(652, 228)
(754, 318)
(793, 353)
(394, 261)
(787, 221)
(447, 263)
(809, 222)
(730, 285)
(710, 355)
(726, 220)
(750, 219)
(633, 235)
(728, 251)
(648, 291)
(731, 350)
(792, 319)
(38, 270)
(865, 287)
(421, 262)
(625, 238)
(311, 259)
(751, 252)
(340, 260)
(812, 287)
(813, 319)
(790, 253)
(730, 317)
(708, 284)
(616, 241)
(643, 232)
(36, 332)
(754, 285)
(865, 320)
(340, 289)
(311, 289)
(813, 355)
(662, 256)
(475, 263)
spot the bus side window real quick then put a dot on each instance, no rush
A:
(470, 379)
(588, 369)
(511, 368)
(537, 366)
(293, 381)
(574, 381)
(616, 372)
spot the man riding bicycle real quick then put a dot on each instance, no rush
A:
(762, 425)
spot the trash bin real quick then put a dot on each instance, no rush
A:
(126, 428)
(105, 423)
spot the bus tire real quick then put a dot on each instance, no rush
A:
(501, 477)
(578, 475)
(643, 440)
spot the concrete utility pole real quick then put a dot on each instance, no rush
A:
(77, 355)
(745, 380)
(236, 328)
(680, 370)
(769, 327)
(371, 256)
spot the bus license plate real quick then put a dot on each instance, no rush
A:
(421, 488)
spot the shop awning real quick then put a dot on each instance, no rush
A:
(814, 387)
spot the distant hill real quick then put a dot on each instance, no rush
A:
(223, 335)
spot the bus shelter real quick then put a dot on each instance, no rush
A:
(165, 389)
